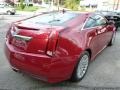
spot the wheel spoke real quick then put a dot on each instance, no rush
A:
(82, 66)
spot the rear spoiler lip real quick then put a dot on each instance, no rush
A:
(34, 16)
(20, 37)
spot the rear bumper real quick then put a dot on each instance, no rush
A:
(43, 67)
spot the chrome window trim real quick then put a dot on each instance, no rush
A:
(94, 26)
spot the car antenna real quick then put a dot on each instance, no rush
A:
(52, 11)
(58, 5)
(63, 11)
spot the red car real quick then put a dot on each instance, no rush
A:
(57, 46)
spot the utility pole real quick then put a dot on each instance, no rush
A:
(51, 5)
(114, 5)
(117, 5)
(43, 2)
(13, 3)
(58, 4)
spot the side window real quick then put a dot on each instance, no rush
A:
(95, 20)
(100, 21)
(90, 23)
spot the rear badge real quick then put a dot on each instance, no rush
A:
(19, 43)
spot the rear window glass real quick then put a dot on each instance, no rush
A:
(55, 18)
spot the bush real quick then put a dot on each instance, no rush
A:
(72, 4)
(21, 4)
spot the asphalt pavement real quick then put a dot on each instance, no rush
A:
(103, 73)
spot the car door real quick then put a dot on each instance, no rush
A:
(96, 33)
(102, 31)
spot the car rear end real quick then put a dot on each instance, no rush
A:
(31, 48)
(31, 51)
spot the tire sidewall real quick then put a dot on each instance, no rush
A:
(74, 75)
(113, 38)
(8, 12)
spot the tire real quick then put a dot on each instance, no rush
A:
(12, 13)
(80, 71)
(112, 39)
(9, 13)
(117, 28)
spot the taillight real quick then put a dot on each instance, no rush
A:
(8, 32)
(52, 43)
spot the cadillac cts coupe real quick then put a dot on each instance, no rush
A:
(57, 46)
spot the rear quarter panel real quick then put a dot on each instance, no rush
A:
(72, 41)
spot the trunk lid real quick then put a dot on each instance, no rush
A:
(32, 40)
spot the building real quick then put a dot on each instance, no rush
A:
(101, 4)
(116, 4)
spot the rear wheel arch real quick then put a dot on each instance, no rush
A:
(89, 51)
(74, 76)
(86, 50)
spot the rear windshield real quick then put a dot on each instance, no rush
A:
(55, 18)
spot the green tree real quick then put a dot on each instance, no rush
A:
(22, 6)
(72, 4)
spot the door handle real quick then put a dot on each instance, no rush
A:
(99, 31)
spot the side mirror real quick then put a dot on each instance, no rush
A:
(110, 22)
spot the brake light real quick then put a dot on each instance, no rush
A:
(8, 34)
(52, 43)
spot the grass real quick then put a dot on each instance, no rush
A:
(28, 8)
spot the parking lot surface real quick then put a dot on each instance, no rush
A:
(103, 73)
